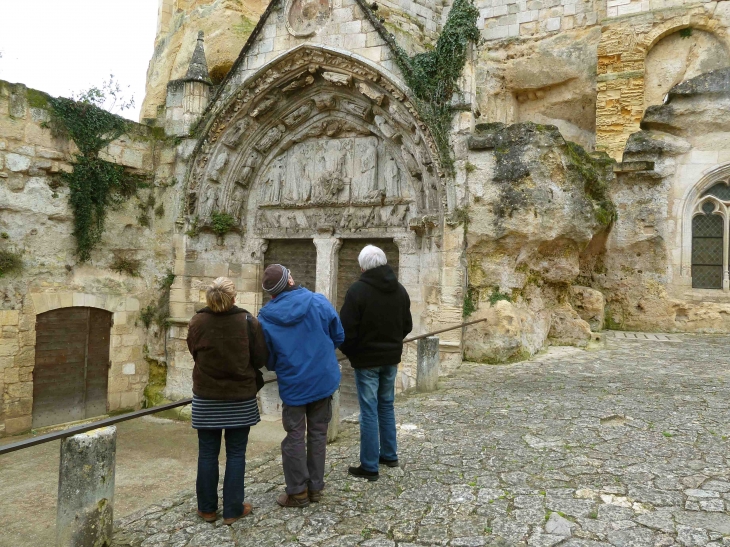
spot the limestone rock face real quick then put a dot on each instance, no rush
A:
(535, 204)
(227, 25)
(510, 332)
(568, 329)
(590, 305)
(551, 81)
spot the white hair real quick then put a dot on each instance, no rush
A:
(371, 257)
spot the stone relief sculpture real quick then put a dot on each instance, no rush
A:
(236, 203)
(237, 133)
(271, 184)
(350, 168)
(249, 164)
(209, 202)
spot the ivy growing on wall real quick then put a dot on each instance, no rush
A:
(94, 183)
(433, 76)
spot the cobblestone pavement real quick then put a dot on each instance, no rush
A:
(626, 446)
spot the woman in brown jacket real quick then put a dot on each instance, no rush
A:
(229, 350)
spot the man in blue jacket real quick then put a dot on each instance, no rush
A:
(302, 331)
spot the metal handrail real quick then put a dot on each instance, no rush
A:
(56, 435)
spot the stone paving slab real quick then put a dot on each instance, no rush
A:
(626, 446)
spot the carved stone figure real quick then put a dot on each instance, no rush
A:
(391, 177)
(264, 106)
(237, 132)
(361, 110)
(298, 84)
(365, 179)
(236, 203)
(337, 79)
(249, 165)
(272, 136)
(272, 182)
(298, 116)
(371, 92)
(218, 165)
(325, 102)
(209, 202)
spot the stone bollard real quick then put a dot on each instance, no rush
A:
(334, 428)
(86, 489)
(427, 371)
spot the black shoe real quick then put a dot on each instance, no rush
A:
(363, 473)
(389, 463)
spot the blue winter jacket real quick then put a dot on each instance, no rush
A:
(302, 330)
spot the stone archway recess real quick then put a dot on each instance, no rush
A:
(315, 141)
(622, 54)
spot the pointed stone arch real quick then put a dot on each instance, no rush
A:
(314, 93)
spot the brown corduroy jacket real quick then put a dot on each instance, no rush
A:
(226, 361)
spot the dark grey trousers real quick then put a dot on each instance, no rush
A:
(304, 464)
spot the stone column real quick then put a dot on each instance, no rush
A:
(427, 373)
(85, 509)
(328, 248)
(334, 427)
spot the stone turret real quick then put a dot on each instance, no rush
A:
(188, 97)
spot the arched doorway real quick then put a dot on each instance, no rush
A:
(70, 378)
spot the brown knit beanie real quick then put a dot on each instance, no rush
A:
(276, 278)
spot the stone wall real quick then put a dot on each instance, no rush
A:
(36, 221)
(644, 266)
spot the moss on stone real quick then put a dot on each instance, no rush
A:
(156, 385)
(594, 170)
(38, 99)
(244, 28)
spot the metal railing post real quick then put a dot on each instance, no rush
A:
(85, 512)
(334, 427)
(427, 371)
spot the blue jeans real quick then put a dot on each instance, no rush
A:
(206, 487)
(376, 393)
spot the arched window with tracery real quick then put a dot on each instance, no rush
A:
(711, 238)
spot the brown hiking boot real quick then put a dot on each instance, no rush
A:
(208, 517)
(315, 496)
(246, 511)
(293, 500)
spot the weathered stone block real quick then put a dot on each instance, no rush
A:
(15, 426)
(590, 305)
(85, 509)
(568, 329)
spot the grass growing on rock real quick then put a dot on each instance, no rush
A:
(10, 262)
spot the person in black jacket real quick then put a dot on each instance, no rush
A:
(376, 317)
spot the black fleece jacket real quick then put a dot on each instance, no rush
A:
(376, 317)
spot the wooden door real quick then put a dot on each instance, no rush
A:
(70, 377)
(348, 271)
(299, 255)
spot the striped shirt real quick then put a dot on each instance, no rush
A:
(210, 414)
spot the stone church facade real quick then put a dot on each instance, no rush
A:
(299, 132)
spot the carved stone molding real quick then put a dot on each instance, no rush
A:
(352, 135)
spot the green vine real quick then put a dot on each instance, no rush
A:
(95, 184)
(159, 312)
(470, 302)
(433, 76)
